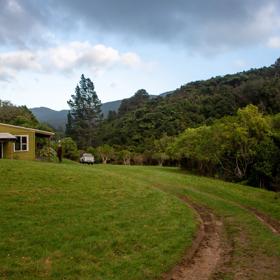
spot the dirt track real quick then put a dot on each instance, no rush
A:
(272, 224)
(207, 252)
(211, 252)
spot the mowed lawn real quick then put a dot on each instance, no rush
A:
(63, 221)
(254, 248)
(124, 222)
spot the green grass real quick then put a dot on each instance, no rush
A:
(256, 250)
(86, 222)
(64, 221)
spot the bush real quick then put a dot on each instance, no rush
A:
(47, 154)
(106, 153)
(69, 148)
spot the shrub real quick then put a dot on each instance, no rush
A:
(47, 154)
(69, 148)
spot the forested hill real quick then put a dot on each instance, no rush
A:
(57, 119)
(140, 120)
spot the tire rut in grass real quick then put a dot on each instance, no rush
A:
(269, 222)
(272, 224)
(207, 253)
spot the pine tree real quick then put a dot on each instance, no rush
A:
(68, 127)
(84, 115)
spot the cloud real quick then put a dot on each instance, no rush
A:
(67, 58)
(274, 43)
(5, 76)
(23, 23)
(196, 25)
(13, 62)
(201, 26)
(131, 59)
(82, 54)
(19, 60)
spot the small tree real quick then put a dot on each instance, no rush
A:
(160, 157)
(138, 159)
(69, 148)
(105, 152)
(160, 149)
(125, 155)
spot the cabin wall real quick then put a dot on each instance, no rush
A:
(9, 151)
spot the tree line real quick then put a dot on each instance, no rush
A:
(19, 115)
(170, 130)
(242, 148)
(225, 127)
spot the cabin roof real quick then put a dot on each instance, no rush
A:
(7, 136)
(36, 131)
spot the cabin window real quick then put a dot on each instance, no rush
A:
(21, 143)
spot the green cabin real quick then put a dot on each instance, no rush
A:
(18, 142)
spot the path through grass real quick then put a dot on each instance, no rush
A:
(256, 249)
(123, 222)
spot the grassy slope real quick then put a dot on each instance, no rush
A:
(256, 250)
(80, 222)
(118, 225)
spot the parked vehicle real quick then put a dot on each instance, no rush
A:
(87, 158)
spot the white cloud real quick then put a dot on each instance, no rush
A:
(274, 43)
(13, 62)
(19, 60)
(68, 58)
(267, 19)
(131, 59)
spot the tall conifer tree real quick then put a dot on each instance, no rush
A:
(85, 114)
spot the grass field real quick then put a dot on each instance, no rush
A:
(81, 222)
(123, 222)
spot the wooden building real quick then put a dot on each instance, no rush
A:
(18, 142)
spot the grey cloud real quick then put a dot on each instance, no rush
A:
(212, 25)
(22, 23)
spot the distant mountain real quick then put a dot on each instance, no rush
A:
(110, 106)
(58, 119)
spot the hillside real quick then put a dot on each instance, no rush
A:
(124, 222)
(193, 104)
(57, 119)
(17, 115)
(75, 222)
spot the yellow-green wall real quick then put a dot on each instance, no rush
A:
(9, 147)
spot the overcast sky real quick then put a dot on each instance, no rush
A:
(126, 45)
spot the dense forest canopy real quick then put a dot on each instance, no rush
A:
(19, 115)
(137, 124)
(203, 127)
(242, 148)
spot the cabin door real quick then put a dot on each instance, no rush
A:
(1, 150)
